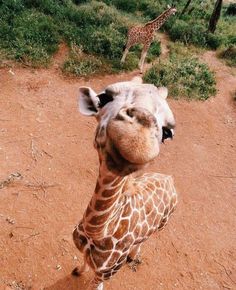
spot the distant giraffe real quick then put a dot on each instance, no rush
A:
(145, 35)
(133, 120)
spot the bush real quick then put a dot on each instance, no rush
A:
(80, 64)
(31, 29)
(229, 54)
(130, 64)
(33, 37)
(184, 76)
(231, 10)
(130, 6)
(188, 33)
(213, 40)
(155, 48)
(154, 51)
(106, 42)
(147, 8)
(99, 29)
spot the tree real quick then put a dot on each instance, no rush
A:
(215, 16)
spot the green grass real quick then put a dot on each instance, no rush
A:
(181, 50)
(31, 30)
(32, 38)
(80, 64)
(185, 77)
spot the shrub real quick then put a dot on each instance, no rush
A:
(229, 54)
(100, 30)
(155, 48)
(33, 37)
(81, 64)
(179, 31)
(154, 51)
(129, 6)
(214, 40)
(188, 33)
(147, 8)
(231, 10)
(184, 76)
(130, 64)
(106, 42)
(181, 50)
(9, 8)
(31, 30)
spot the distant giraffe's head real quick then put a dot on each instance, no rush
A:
(172, 10)
(133, 120)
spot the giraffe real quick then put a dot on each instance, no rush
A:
(126, 207)
(145, 35)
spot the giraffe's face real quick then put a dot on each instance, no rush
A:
(173, 10)
(133, 120)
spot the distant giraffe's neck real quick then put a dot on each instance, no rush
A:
(104, 204)
(160, 20)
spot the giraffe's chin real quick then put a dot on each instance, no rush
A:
(119, 165)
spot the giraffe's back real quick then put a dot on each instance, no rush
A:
(138, 34)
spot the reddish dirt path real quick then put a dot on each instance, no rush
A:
(46, 140)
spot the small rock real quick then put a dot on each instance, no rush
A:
(58, 267)
(10, 221)
(11, 72)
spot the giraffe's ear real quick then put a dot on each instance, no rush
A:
(163, 92)
(88, 101)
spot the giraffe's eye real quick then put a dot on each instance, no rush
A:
(104, 98)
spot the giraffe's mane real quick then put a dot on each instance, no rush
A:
(151, 21)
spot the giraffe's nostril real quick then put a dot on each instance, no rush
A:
(130, 112)
(166, 133)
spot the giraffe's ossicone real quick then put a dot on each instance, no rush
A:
(126, 207)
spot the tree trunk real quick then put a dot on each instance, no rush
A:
(186, 7)
(215, 16)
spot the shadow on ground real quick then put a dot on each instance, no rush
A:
(70, 282)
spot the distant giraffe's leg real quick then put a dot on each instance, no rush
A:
(125, 53)
(143, 56)
(79, 271)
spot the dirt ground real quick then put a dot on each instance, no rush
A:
(49, 144)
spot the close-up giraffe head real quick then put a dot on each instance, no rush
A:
(133, 120)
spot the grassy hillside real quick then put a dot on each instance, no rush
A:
(32, 29)
(95, 31)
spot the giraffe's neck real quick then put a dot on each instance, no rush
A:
(105, 203)
(160, 20)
